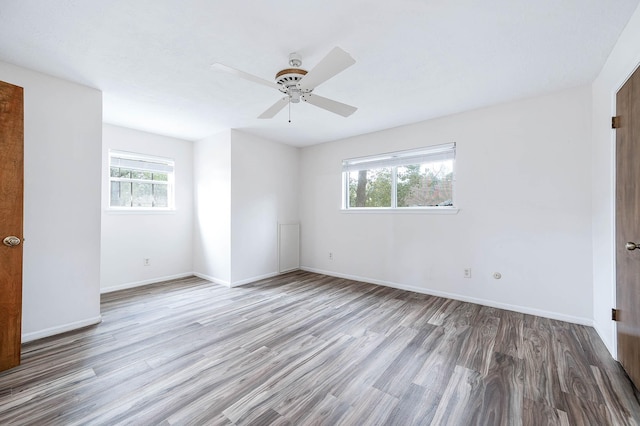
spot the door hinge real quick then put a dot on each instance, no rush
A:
(614, 314)
(615, 122)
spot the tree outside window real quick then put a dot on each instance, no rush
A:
(410, 179)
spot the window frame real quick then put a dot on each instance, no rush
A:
(393, 160)
(134, 156)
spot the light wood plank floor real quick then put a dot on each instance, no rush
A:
(307, 349)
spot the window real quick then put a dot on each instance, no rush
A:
(140, 182)
(414, 179)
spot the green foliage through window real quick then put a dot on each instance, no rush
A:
(401, 180)
(370, 188)
(140, 181)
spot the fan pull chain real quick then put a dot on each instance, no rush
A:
(289, 109)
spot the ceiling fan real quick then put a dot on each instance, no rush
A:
(297, 83)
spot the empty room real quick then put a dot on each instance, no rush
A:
(319, 213)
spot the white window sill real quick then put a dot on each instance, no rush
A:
(410, 210)
(139, 211)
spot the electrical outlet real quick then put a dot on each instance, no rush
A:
(146, 261)
(467, 272)
(330, 255)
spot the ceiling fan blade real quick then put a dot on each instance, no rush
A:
(275, 108)
(330, 105)
(335, 62)
(246, 76)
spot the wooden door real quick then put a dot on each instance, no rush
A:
(628, 226)
(11, 194)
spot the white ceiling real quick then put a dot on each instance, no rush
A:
(416, 59)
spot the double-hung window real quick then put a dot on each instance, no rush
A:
(140, 182)
(414, 179)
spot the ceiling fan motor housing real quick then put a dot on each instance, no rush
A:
(288, 80)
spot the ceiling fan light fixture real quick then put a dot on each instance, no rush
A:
(294, 95)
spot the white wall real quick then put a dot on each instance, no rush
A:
(212, 199)
(245, 186)
(522, 173)
(621, 63)
(264, 192)
(165, 238)
(62, 141)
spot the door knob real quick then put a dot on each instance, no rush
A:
(631, 246)
(11, 241)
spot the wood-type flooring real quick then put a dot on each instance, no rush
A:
(307, 349)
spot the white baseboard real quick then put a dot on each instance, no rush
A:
(254, 279)
(212, 279)
(462, 298)
(134, 284)
(611, 346)
(240, 282)
(35, 335)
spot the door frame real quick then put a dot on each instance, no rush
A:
(614, 207)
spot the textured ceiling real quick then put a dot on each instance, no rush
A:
(416, 59)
